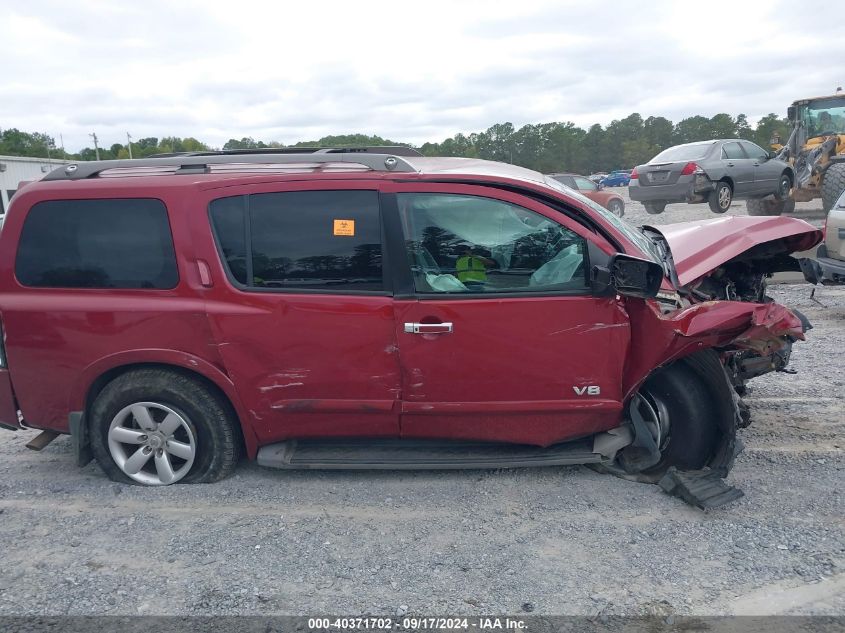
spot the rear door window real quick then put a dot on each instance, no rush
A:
(755, 151)
(110, 243)
(732, 151)
(302, 240)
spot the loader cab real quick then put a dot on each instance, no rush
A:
(820, 117)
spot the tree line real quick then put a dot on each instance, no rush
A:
(546, 147)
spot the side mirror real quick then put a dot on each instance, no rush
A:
(629, 276)
(790, 113)
(599, 186)
(772, 155)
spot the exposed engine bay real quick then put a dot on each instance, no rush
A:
(742, 279)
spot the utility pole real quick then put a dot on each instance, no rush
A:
(62, 143)
(96, 147)
(129, 144)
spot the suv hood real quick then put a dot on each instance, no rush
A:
(698, 248)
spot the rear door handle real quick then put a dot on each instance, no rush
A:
(730, 164)
(428, 328)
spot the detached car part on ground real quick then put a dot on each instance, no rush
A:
(151, 309)
(716, 172)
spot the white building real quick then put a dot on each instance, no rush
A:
(14, 169)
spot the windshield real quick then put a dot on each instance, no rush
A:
(645, 244)
(694, 151)
(824, 117)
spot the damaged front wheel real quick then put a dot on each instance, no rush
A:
(674, 419)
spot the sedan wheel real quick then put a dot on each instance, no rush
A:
(784, 186)
(720, 198)
(616, 207)
(152, 443)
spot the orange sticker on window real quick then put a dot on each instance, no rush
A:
(344, 227)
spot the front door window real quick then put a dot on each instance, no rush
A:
(469, 244)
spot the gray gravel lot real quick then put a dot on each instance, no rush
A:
(548, 541)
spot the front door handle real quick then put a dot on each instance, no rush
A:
(428, 328)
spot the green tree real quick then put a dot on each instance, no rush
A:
(770, 126)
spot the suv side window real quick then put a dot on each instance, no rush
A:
(732, 151)
(310, 240)
(463, 243)
(113, 243)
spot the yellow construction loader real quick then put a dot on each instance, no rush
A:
(816, 151)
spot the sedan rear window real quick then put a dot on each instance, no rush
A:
(694, 151)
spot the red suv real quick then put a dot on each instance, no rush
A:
(372, 308)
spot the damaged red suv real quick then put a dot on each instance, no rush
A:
(371, 308)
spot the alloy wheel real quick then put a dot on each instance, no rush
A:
(152, 443)
(656, 417)
(724, 197)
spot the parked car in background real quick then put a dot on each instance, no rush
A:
(613, 202)
(716, 172)
(174, 313)
(828, 267)
(617, 178)
(597, 176)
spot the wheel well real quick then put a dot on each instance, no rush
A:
(728, 180)
(790, 175)
(104, 379)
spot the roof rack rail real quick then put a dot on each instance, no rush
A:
(395, 150)
(375, 158)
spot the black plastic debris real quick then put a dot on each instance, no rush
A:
(703, 489)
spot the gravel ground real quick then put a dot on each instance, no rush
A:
(545, 541)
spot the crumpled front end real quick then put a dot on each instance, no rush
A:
(737, 330)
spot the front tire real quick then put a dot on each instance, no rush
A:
(833, 185)
(720, 198)
(680, 413)
(784, 187)
(157, 427)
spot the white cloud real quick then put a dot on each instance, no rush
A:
(408, 71)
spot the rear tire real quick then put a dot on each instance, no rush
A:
(833, 185)
(720, 198)
(654, 208)
(204, 448)
(767, 206)
(616, 207)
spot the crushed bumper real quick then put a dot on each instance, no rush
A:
(695, 190)
(833, 270)
(823, 269)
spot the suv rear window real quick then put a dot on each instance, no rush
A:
(309, 240)
(112, 243)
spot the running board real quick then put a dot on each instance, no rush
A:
(393, 454)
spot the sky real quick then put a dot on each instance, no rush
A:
(408, 71)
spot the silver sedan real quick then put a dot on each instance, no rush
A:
(715, 172)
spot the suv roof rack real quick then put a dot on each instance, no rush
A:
(387, 158)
